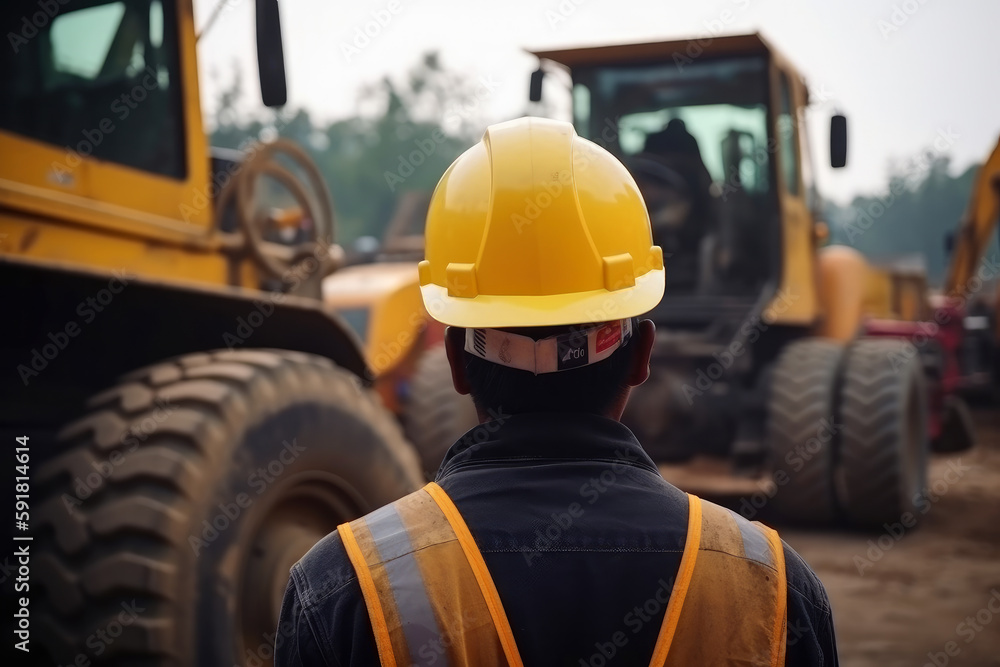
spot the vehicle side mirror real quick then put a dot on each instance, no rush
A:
(535, 89)
(838, 141)
(270, 55)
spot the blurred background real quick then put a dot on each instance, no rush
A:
(910, 79)
(215, 349)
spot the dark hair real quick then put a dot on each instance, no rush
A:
(592, 388)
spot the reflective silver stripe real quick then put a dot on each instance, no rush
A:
(755, 543)
(415, 612)
(388, 531)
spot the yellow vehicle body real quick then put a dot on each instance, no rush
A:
(168, 356)
(977, 227)
(381, 302)
(56, 203)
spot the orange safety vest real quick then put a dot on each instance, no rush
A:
(431, 599)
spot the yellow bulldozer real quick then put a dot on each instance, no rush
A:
(190, 416)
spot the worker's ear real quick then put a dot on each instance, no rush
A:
(454, 345)
(645, 335)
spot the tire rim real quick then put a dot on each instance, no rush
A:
(301, 511)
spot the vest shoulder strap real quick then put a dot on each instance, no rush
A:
(729, 606)
(428, 593)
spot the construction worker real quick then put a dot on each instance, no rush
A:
(549, 537)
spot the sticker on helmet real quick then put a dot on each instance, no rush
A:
(572, 351)
(608, 335)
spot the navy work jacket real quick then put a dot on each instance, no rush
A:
(582, 536)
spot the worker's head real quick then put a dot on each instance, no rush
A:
(540, 259)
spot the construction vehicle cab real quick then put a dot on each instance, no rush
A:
(763, 354)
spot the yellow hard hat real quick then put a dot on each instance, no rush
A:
(535, 226)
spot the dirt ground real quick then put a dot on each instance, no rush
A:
(904, 596)
(924, 591)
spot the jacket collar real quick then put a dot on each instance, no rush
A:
(509, 440)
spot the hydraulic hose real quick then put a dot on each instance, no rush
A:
(314, 200)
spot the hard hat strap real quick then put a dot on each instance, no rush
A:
(561, 352)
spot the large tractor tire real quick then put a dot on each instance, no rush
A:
(435, 415)
(884, 441)
(170, 518)
(802, 429)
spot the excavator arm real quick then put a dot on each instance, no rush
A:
(976, 226)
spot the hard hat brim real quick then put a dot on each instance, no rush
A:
(488, 311)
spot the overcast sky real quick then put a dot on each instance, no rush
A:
(908, 73)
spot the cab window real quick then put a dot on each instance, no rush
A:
(98, 79)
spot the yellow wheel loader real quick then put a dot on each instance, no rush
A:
(192, 417)
(802, 367)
